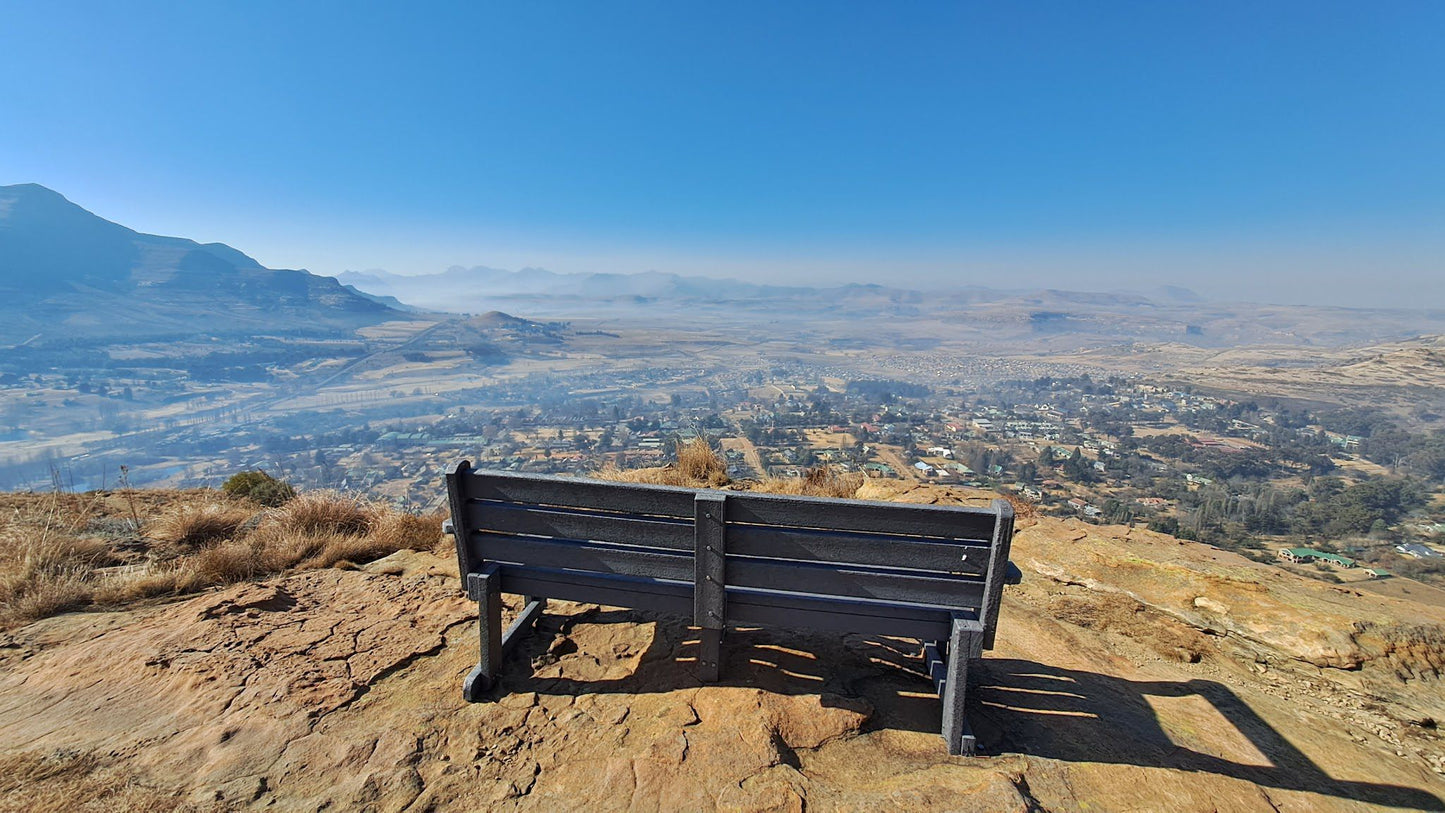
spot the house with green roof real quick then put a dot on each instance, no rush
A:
(1304, 555)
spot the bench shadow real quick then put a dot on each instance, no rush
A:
(1014, 706)
(1019, 706)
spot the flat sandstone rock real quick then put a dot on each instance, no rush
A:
(1132, 673)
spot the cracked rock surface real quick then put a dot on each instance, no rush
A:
(1112, 688)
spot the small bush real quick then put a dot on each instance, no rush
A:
(259, 487)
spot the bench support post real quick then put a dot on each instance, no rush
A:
(709, 584)
(485, 587)
(949, 670)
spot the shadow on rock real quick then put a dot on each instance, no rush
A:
(1074, 716)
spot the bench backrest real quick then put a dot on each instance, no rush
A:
(758, 559)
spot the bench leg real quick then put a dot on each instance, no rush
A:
(948, 666)
(489, 623)
(709, 654)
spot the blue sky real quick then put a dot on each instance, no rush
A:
(1271, 151)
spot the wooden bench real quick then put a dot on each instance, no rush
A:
(727, 558)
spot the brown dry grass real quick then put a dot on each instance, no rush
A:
(50, 563)
(697, 466)
(326, 512)
(818, 482)
(192, 526)
(44, 567)
(64, 781)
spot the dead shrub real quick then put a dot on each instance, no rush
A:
(404, 531)
(50, 594)
(1023, 509)
(44, 570)
(146, 582)
(325, 512)
(697, 466)
(822, 481)
(281, 548)
(193, 526)
(221, 563)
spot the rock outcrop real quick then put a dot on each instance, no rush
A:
(1133, 672)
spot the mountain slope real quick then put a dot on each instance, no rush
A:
(66, 273)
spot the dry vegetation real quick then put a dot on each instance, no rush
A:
(76, 781)
(699, 466)
(819, 482)
(61, 552)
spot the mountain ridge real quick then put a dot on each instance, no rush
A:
(67, 273)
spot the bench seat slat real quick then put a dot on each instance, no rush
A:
(631, 498)
(858, 515)
(855, 549)
(626, 529)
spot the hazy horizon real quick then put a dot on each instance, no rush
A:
(1282, 154)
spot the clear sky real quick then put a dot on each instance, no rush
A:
(1280, 151)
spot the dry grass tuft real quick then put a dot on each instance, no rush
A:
(193, 526)
(818, 482)
(47, 566)
(322, 512)
(222, 563)
(44, 569)
(145, 581)
(63, 781)
(402, 531)
(697, 466)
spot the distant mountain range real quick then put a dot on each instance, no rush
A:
(68, 274)
(480, 288)
(1052, 320)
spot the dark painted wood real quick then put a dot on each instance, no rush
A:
(998, 567)
(487, 587)
(709, 561)
(457, 479)
(807, 544)
(597, 557)
(629, 529)
(572, 492)
(955, 687)
(674, 597)
(531, 609)
(927, 572)
(709, 654)
(795, 611)
(859, 515)
(874, 583)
